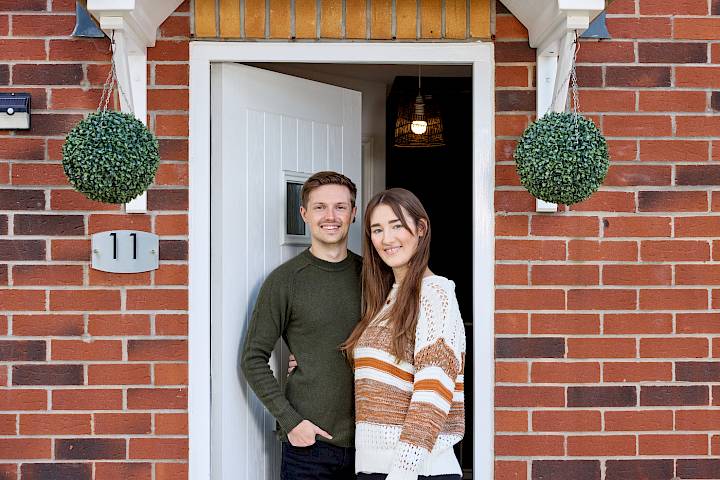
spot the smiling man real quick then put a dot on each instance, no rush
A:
(313, 303)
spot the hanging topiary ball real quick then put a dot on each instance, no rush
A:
(110, 157)
(562, 158)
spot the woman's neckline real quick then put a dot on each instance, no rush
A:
(395, 284)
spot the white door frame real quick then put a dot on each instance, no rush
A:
(478, 54)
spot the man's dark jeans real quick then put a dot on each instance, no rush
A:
(321, 461)
(382, 476)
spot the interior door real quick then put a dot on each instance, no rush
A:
(268, 129)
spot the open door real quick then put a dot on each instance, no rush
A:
(270, 131)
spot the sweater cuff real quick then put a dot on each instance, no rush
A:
(289, 419)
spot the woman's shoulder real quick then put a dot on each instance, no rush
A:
(437, 285)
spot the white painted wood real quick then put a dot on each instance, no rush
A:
(250, 108)
(480, 55)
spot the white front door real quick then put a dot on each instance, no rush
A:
(267, 129)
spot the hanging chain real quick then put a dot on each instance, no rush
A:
(111, 81)
(575, 108)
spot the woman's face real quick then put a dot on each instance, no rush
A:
(394, 243)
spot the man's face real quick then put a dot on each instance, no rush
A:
(329, 214)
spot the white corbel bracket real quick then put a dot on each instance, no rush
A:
(132, 25)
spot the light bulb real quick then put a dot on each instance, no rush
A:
(418, 127)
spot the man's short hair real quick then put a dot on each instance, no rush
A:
(327, 178)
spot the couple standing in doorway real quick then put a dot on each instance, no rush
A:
(377, 390)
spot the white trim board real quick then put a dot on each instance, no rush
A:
(481, 56)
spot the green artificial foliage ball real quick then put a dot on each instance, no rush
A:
(110, 157)
(562, 158)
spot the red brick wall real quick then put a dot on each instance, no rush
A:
(93, 372)
(607, 339)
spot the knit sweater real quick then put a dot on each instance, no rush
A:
(409, 412)
(313, 305)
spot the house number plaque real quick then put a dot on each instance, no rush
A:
(125, 251)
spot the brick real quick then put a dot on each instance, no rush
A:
(23, 5)
(22, 199)
(55, 424)
(606, 51)
(69, 250)
(565, 372)
(4, 74)
(506, 201)
(171, 324)
(7, 426)
(356, 16)
(87, 399)
(529, 396)
(25, 448)
(511, 125)
(697, 29)
(637, 372)
(509, 323)
(697, 274)
(511, 274)
(530, 299)
(170, 471)
(564, 226)
(104, 222)
(715, 8)
(122, 423)
(171, 125)
(697, 371)
(47, 375)
(64, 225)
(22, 300)
(673, 299)
(623, 150)
(511, 372)
(22, 50)
(112, 279)
(673, 347)
(639, 27)
(630, 421)
(601, 445)
(607, 202)
(674, 250)
(697, 77)
(513, 52)
(601, 397)
(75, 98)
(169, 74)
(674, 395)
(664, 101)
(118, 325)
(589, 76)
(698, 420)
(39, 26)
(178, 275)
(564, 275)
(559, 323)
(565, 469)
(120, 374)
(168, 99)
(672, 444)
(698, 126)
(56, 471)
(22, 149)
(547, 347)
(157, 299)
(590, 299)
(169, 50)
(38, 174)
(123, 471)
(529, 250)
(715, 101)
(528, 445)
(515, 100)
(511, 75)
(637, 77)
(566, 421)
(607, 101)
(172, 174)
(173, 149)
(47, 74)
(89, 448)
(680, 7)
(178, 225)
(158, 448)
(84, 300)
(167, 199)
(701, 226)
(697, 175)
(47, 275)
(173, 423)
(637, 125)
(171, 373)
(672, 201)
(24, 399)
(635, 323)
(510, 470)
(603, 250)
(175, 26)
(698, 467)
(625, 469)
(3, 224)
(22, 350)
(698, 323)
(601, 348)
(82, 350)
(674, 150)
(154, 350)
(634, 175)
(637, 275)
(157, 398)
(675, 52)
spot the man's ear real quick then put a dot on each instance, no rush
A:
(354, 214)
(303, 212)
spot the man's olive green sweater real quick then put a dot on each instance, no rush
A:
(314, 306)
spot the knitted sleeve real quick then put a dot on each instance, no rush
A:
(439, 342)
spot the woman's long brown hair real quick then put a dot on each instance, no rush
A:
(377, 276)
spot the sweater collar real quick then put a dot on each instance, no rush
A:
(330, 266)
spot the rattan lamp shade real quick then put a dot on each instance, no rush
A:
(408, 112)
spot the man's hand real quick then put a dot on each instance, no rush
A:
(292, 363)
(304, 434)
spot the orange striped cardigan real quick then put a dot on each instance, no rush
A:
(409, 412)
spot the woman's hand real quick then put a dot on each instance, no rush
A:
(292, 363)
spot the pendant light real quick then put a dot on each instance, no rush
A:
(418, 122)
